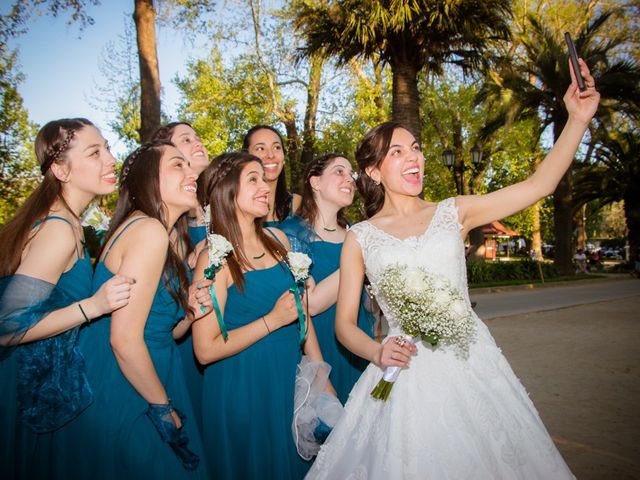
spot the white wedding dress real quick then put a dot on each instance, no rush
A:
(447, 417)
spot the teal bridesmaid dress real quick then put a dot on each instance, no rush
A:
(113, 438)
(346, 367)
(24, 453)
(248, 397)
(193, 371)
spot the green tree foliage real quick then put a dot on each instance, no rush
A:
(533, 76)
(409, 36)
(614, 174)
(19, 172)
(223, 102)
(22, 12)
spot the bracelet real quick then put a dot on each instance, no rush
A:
(266, 325)
(86, 319)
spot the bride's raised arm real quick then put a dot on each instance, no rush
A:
(476, 210)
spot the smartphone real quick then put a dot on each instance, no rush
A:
(573, 56)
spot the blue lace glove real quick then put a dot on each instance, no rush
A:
(160, 416)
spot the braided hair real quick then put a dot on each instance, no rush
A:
(51, 146)
(221, 184)
(140, 190)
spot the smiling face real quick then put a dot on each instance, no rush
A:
(401, 170)
(187, 141)
(267, 146)
(336, 184)
(177, 182)
(90, 167)
(252, 198)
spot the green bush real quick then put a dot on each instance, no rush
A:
(527, 269)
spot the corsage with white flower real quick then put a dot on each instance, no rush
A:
(299, 264)
(96, 218)
(218, 249)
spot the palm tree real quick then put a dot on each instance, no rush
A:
(411, 36)
(615, 176)
(535, 86)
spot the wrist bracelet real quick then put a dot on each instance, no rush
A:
(266, 324)
(86, 319)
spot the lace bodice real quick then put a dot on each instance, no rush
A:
(439, 249)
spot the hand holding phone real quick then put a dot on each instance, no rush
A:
(573, 56)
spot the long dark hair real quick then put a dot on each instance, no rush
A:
(283, 197)
(165, 132)
(315, 168)
(370, 152)
(221, 180)
(51, 146)
(140, 190)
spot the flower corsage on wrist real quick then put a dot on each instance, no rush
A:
(299, 264)
(218, 249)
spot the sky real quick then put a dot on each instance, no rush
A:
(61, 64)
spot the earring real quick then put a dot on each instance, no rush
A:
(377, 182)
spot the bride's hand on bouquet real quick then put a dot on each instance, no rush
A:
(395, 352)
(284, 311)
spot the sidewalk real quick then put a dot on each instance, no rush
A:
(581, 366)
(516, 301)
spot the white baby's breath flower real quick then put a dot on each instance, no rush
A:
(219, 248)
(299, 264)
(426, 305)
(414, 280)
(459, 308)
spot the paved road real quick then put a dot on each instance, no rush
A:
(516, 302)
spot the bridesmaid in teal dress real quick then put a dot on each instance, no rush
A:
(186, 139)
(45, 295)
(265, 142)
(136, 425)
(319, 231)
(250, 377)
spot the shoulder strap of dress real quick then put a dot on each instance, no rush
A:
(119, 234)
(274, 236)
(446, 215)
(57, 217)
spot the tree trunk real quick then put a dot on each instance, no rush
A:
(405, 105)
(145, 20)
(536, 236)
(309, 132)
(563, 212)
(288, 118)
(580, 220)
(632, 216)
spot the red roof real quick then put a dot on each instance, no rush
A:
(498, 229)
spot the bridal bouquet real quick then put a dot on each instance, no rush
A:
(299, 264)
(218, 249)
(427, 307)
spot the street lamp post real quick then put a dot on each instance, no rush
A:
(449, 160)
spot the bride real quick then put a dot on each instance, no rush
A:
(448, 416)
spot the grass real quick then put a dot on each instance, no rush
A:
(504, 283)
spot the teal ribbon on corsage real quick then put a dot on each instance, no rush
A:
(295, 289)
(210, 274)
